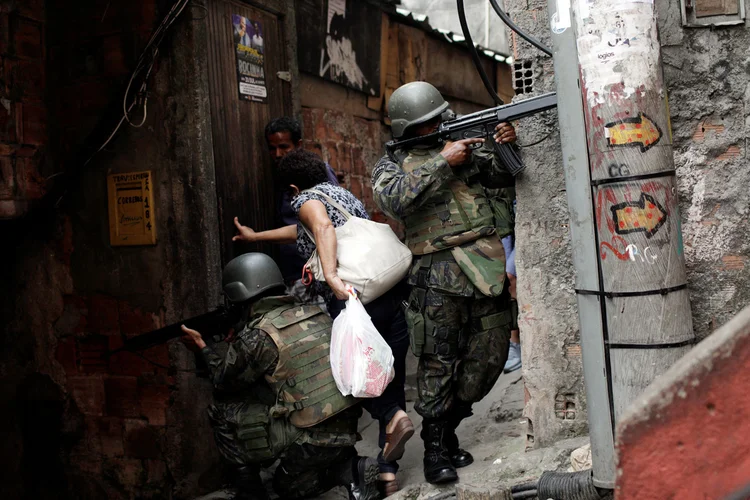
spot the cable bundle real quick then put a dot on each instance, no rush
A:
(506, 152)
(144, 66)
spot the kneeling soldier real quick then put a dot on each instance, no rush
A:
(275, 396)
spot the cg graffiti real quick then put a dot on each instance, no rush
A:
(620, 170)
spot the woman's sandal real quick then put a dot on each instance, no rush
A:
(395, 441)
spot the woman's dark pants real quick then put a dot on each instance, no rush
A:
(388, 317)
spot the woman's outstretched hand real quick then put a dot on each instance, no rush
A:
(247, 234)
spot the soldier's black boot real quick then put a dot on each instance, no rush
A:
(249, 485)
(437, 466)
(360, 477)
(458, 456)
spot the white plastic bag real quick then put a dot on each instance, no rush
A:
(361, 361)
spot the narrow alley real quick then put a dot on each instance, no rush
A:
(229, 226)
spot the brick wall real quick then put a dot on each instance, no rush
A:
(90, 56)
(23, 117)
(351, 145)
(123, 399)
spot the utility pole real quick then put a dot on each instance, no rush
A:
(631, 280)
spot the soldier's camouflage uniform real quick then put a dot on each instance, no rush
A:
(459, 308)
(275, 397)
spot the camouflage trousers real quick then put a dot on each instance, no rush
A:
(311, 459)
(467, 352)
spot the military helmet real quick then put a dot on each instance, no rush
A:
(412, 104)
(249, 275)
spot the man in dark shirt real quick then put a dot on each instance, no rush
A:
(282, 136)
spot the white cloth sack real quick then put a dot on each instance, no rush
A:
(370, 256)
(361, 361)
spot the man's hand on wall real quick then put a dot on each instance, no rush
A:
(459, 152)
(245, 233)
(504, 132)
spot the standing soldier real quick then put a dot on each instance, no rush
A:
(275, 396)
(448, 197)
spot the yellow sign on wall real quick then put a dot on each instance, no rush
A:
(131, 209)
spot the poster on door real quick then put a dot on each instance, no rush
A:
(248, 47)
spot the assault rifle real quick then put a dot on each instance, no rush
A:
(481, 124)
(214, 323)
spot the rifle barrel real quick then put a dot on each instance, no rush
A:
(205, 323)
(506, 112)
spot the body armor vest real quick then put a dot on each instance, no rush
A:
(302, 381)
(457, 213)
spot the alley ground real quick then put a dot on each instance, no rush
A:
(495, 435)
(495, 431)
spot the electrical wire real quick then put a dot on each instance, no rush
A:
(547, 136)
(507, 154)
(506, 19)
(532, 485)
(203, 8)
(150, 51)
(144, 67)
(474, 54)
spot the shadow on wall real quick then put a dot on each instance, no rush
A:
(40, 407)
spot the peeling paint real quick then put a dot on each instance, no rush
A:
(613, 50)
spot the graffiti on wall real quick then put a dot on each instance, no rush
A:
(339, 40)
(644, 215)
(338, 59)
(629, 210)
(646, 255)
(638, 131)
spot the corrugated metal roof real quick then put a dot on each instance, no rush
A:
(422, 22)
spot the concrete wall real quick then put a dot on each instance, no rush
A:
(548, 321)
(706, 76)
(75, 425)
(706, 71)
(688, 435)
